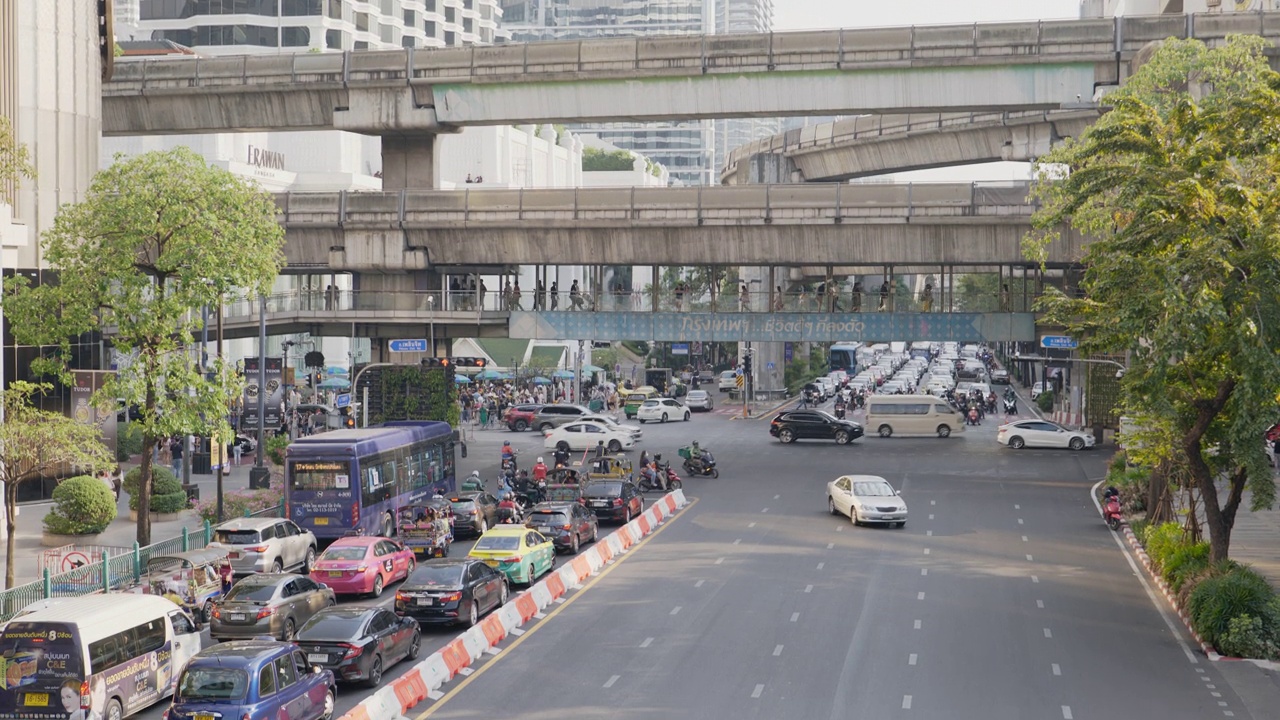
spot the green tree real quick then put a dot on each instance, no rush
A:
(1178, 184)
(15, 160)
(158, 237)
(37, 443)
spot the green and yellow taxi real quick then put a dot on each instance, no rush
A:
(523, 555)
(635, 398)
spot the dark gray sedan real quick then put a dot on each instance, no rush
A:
(274, 604)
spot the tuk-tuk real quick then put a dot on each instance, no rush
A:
(611, 468)
(566, 476)
(425, 529)
(189, 578)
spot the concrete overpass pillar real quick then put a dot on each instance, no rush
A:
(409, 162)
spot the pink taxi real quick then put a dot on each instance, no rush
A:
(359, 565)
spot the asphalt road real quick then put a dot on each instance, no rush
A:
(1005, 596)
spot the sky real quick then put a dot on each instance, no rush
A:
(814, 14)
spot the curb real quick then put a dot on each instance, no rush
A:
(424, 680)
(1141, 552)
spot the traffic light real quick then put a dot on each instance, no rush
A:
(746, 364)
(435, 362)
(469, 362)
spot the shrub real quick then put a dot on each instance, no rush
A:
(275, 448)
(1183, 562)
(1119, 462)
(1222, 597)
(81, 506)
(1247, 636)
(1132, 484)
(1161, 541)
(128, 442)
(234, 504)
(1044, 401)
(167, 495)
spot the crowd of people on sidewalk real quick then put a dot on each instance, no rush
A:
(484, 404)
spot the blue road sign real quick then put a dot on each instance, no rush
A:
(407, 345)
(770, 365)
(1058, 342)
(343, 400)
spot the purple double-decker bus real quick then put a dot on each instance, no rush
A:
(354, 481)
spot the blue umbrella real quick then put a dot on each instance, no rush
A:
(335, 383)
(335, 370)
(563, 374)
(462, 379)
(489, 374)
(592, 369)
(541, 381)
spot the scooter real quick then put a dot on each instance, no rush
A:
(1010, 407)
(704, 467)
(648, 482)
(972, 417)
(1111, 509)
(840, 409)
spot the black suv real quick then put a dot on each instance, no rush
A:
(569, 525)
(613, 499)
(813, 424)
(473, 512)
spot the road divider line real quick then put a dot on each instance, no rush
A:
(911, 659)
(928, 533)
(930, 517)
(647, 642)
(795, 617)
(831, 546)
(738, 541)
(1040, 604)
(917, 625)
(926, 551)
(1056, 669)
(1048, 633)
(920, 596)
(765, 510)
(699, 583)
(675, 610)
(758, 691)
(1066, 712)
(924, 571)
(612, 679)
(1030, 559)
(906, 702)
(808, 588)
(1017, 507)
(1024, 538)
(1035, 579)
(1020, 521)
(777, 651)
(719, 561)
(751, 525)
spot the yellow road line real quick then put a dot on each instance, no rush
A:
(581, 591)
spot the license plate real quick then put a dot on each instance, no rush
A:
(36, 700)
(311, 657)
(543, 529)
(321, 521)
(233, 555)
(335, 573)
(423, 601)
(235, 616)
(202, 716)
(492, 563)
(600, 503)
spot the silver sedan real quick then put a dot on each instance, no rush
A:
(699, 400)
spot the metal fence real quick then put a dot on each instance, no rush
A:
(115, 572)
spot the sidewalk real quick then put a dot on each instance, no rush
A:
(1255, 538)
(122, 532)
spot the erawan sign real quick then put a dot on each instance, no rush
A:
(266, 159)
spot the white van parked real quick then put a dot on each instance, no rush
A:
(911, 415)
(97, 656)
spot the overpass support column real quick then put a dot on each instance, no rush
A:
(409, 162)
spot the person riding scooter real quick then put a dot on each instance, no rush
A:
(508, 510)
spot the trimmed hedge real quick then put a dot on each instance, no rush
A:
(82, 505)
(167, 495)
(234, 504)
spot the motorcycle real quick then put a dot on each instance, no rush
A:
(1010, 407)
(703, 466)
(840, 409)
(972, 417)
(1111, 511)
(649, 481)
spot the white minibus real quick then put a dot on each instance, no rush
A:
(96, 657)
(911, 415)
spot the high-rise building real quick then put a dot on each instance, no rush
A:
(686, 148)
(237, 27)
(742, 16)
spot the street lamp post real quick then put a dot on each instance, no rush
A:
(260, 476)
(431, 312)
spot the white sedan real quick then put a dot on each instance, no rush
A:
(586, 436)
(613, 424)
(662, 410)
(866, 499)
(1042, 433)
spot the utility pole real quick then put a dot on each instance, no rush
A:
(260, 476)
(218, 483)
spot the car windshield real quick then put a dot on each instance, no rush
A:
(337, 626)
(344, 553)
(211, 684)
(236, 537)
(872, 489)
(603, 489)
(428, 576)
(245, 591)
(548, 518)
(463, 506)
(498, 542)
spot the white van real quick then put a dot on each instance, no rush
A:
(911, 415)
(97, 656)
(728, 380)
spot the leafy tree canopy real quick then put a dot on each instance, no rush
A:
(15, 160)
(1178, 184)
(158, 237)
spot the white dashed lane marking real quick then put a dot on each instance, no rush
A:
(758, 691)
(917, 625)
(612, 679)
(906, 702)
(1048, 633)
(911, 659)
(777, 651)
(647, 642)
(808, 588)
(795, 617)
(1056, 669)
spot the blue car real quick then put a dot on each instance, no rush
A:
(253, 679)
